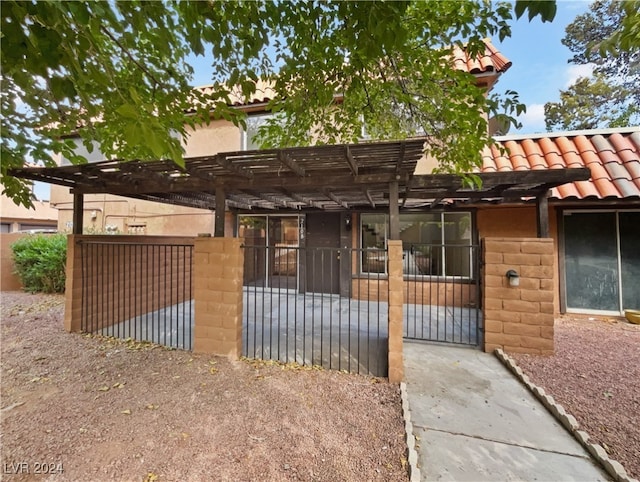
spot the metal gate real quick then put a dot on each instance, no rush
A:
(141, 291)
(292, 312)
(442, 293)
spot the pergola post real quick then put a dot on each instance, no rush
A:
(394, 211)
(218, 230)
(542, 214)
(78, 211)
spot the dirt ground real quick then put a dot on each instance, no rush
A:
(595, 375)
(79, 407)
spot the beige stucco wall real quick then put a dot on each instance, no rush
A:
(130, 216)
(134, 216)
(218, 136)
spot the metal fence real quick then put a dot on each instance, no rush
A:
(302, 305)
(140, 291)
(442, 293)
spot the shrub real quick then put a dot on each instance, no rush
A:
(40, 262)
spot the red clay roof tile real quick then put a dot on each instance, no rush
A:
(534, 154)
(612, 156)
(552, 154)
(491, 61)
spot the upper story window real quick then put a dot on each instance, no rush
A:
(433, 244)
(400, 117)
(249, 134)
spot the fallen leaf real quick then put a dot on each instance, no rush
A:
(213, 370)
(126, 412)
(151, 477)
(104, 388)
(152, 407)
(12, 406)
(118, 385)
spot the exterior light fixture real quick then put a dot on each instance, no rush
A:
(513, 277)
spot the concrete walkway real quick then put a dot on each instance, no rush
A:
(473, 421)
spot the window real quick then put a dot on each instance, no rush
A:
(433, 244)
(249, 134)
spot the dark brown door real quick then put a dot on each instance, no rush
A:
(322, 253)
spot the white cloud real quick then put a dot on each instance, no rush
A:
(533, 119)
(574, 72)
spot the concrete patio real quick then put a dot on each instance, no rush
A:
(321, 329)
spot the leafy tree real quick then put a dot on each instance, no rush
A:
(588, 104)
(627, 36)
(608, 37)
(117, 74)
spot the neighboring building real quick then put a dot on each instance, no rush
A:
(14, 218)
(15, 222)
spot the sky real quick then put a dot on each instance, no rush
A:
(540, 69)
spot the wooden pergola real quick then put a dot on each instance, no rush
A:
(335, 177)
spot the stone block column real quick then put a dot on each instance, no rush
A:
(396, 295)
(218, 271)
(518, 318)
(73, 286)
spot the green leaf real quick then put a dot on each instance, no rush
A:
(128, 111)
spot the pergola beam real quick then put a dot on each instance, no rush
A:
(321, 177)
(291, 164)
(351, 161)
(367, 194)
(335, 199)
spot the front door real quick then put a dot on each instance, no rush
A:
(323, 253)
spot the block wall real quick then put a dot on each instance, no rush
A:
(218, 296)
(396, 296)
(427, 292)
(519, 319)
(124, 276)
(518, 222)
(9, 281)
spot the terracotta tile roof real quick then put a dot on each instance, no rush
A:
(612, 156)
(264, 93)
(491, 62)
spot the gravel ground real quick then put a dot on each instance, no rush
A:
(595, 375)
(89, 408)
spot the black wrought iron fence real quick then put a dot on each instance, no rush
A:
(442, 293)
(304, 305)
(138, 290)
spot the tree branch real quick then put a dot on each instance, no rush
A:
(131, 57)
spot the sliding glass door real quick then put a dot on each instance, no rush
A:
(602, 260)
